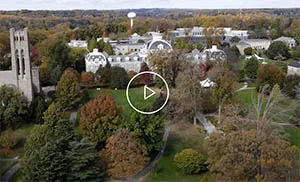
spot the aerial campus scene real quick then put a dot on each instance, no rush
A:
(150, 91)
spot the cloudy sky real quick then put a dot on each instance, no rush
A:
(131, 4)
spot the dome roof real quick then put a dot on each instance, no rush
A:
(95, 56)
(158, 43)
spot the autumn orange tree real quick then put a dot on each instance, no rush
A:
(87, 79)
(124, 154)
(99, 118)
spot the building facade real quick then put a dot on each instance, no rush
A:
(294, 68)
(132, 61)
(290, 42)
(21, 76)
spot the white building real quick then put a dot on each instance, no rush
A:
(257, 44)
(199, 32)
(78, 44)
(132, 61)
(290, 42)
(94, 60)
(294, 68)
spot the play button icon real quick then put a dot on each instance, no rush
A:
(146, 91)
(141, 99)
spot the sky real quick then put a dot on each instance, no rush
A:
(134, 4)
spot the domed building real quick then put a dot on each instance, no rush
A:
(94, 60)
(157, 43)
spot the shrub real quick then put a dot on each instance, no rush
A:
(278, 50)
(8, 139)
(248, 51)
(190, 161)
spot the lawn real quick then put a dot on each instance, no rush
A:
(294, 134)
(181, 137)
(22, 133)
(119, 96)
(246, 96)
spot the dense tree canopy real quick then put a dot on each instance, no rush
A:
(119, 78)
(13, 108)
(124, 154)
(148, 129)
(278, 50)
(99, 118)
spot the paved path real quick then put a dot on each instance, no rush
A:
(208, 126)
(48, 89)
(8, 175)
(73, 116)
(153, 164)
(245, 87)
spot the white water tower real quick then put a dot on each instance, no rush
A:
(131, 16)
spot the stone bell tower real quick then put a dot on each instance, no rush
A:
(20, 61)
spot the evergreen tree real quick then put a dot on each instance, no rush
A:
(68, 89)
(92, 44)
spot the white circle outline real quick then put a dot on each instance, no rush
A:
(143, 112)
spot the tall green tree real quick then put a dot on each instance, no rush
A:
(251, 67)
(92, 44)
(68, 89)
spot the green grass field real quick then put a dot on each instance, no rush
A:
(119, 96)
(179, 139)
(294, 134)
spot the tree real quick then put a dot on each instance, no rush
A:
(52, 154)
(248, 51)
(296, 53)
(92, 44)
(251, 67)
(190, 161)
(278, 50)
(68, 89)
(186, 97)
(148, 129)
(76, 57)
(86, 163)
(145, 78)
(124, 155)
(225, 88)
(119, 78)
(235, 39)
(104, 74)
(44, 157)
(13, 108)
(269, 74)
(290, 84)
(175, 64)
(37, 108)
(54, 113)
(87, 79)
(255, 149)
(99, 118)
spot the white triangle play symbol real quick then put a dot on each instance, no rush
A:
(147, 89)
